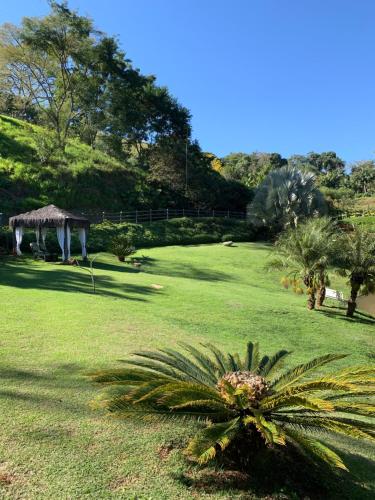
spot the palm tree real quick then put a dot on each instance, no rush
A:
(306, 251)
(245, 402)
(285, 197)
(355, 258)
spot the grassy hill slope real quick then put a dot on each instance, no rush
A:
(82, 178)
(54, 330)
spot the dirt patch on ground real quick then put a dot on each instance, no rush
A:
(165, 450)
(6, 477)
(124, 482)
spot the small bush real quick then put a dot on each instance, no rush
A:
(228, 237)
(122, 247)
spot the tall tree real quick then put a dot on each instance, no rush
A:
(362, 177)
(355, 258)
(81, 82)
(306, 251)
(40, 61)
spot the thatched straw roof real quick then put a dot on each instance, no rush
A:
(49, 216)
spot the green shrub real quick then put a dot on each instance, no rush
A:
(228, 237)
(183, 231)
(121, 246)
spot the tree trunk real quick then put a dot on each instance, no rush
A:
(309, 283)
(311, 300)
(321, 296)
(352, 302)
(321, 292)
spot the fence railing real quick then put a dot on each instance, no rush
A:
(140, 216)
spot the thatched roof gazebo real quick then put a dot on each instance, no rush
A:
(50, 217)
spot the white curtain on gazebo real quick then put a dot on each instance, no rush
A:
(68, 236)
(18, 235)
(37, 237)
(61, 239)
(44, 235)
(41, 232)
(82, 239)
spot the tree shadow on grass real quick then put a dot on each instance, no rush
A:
(32, 388)
(183, 270)
(275, 475)
(21, 273)
(336, 312)
(150, 265)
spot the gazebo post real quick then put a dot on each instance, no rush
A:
(65, 240)
(39, 229)
(14, 241)
(85, 259)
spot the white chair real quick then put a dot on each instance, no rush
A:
(335, 295)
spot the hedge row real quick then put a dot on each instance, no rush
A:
(182, 231)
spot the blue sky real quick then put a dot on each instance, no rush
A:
(287, 76)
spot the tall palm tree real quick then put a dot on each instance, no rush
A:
(305, 251)
(355, 258)
(285, 197)
(246, 402)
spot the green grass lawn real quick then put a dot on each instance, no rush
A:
(54, 330)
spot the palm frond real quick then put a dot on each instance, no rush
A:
(188, 367)
(157, 368)
(262, 363)
(287, 401)
(311, 446)
(300, 371)
(204, 446)
(205, 362)
(272, 433)
(363, 409)
(126, 375)
(177, 362)
(124, 409)
(273, 363)
(232, 363)
(221, 359)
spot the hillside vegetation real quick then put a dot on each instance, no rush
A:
(83, 177)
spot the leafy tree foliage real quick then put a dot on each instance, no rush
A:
(250, 169)
(362, 178)
(248, 404)
(328, 167)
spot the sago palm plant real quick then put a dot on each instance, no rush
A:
(306, 251)
(246, 403)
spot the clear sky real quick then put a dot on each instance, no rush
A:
(288, 76)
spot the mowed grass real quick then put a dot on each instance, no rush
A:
(54, 331)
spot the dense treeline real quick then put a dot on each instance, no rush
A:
(330, 171)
